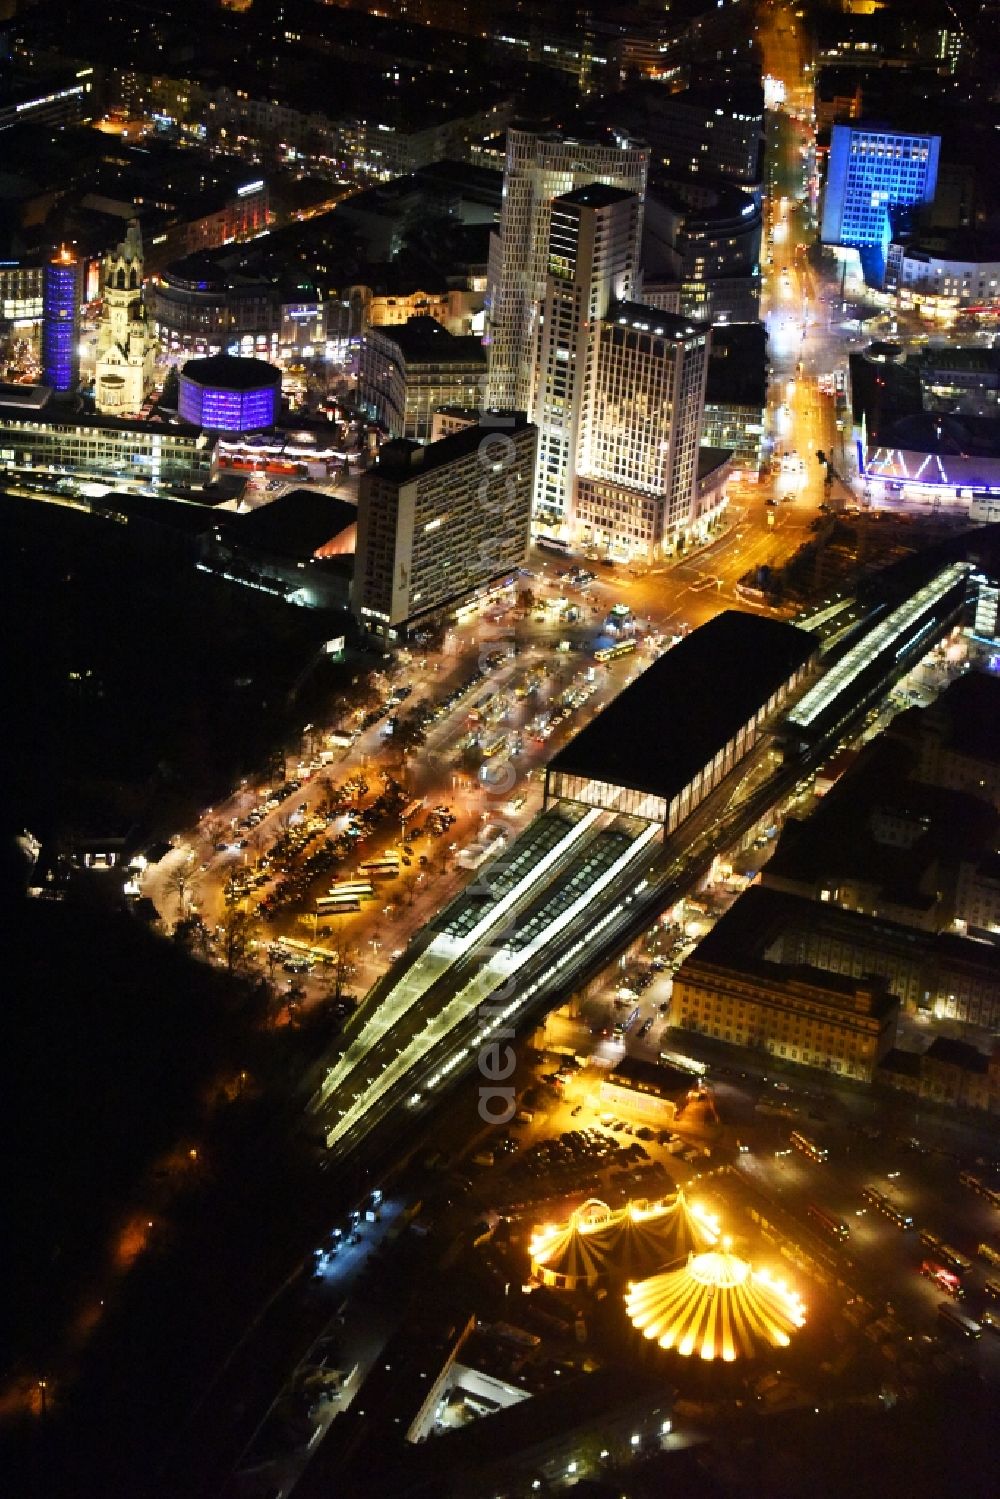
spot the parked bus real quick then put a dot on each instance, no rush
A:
(363, 889)
(834, 1228)
(959, 1321)
(479, 710)
(881, 1203)
(808, 1147)
(981, 1188)
(411, 809)
(494, 744)
(337, 905)
(612, 652)
(553, 544)
(946, 1280)
(380, 868)
(683, 1063)
(989, 1252)
(956, 1261)
(992, 1289)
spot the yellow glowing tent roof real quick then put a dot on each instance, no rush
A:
(717, 1306)
(632, 1241)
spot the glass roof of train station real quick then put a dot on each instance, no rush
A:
(501, 876)
(595, 858)
(881, 638)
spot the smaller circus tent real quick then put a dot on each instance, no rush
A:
(597, 1244)
(717, 1306)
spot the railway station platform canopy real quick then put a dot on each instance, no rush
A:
(596, 1244)
(893, 639)
(675, 732)
(716, 1306)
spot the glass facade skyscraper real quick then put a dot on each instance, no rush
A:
(539, 169)
(593, 261)
(873, 168)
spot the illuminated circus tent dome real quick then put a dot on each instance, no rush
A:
(717, 1306)
(596, 1243)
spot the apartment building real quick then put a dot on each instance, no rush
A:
(441, 523)
(406, 372)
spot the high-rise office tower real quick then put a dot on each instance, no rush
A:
(538, 169)
(593, 253)
(62, 294)
(871, 169)
(637, 485)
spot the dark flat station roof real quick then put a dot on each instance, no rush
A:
(657, 734)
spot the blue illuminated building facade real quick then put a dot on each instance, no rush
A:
(62, 293)
(873, 168)
(226, 394)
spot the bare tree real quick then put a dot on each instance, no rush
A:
(295, 996)
(239, 928)
(178, 882)
(213, 829)
(192, 933)
(327, 795)
(272, 957)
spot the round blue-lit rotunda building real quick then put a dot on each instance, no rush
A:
(226, 394)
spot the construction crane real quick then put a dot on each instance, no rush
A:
(832, 474)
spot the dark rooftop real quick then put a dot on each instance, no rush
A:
(230, 373)
(581, 1404)
(663, 729)
(654, 320)
(756, 930)
(424, 338)
(854, 832)
(957, 1054)
(159, 510)
(737, 366)
(944, 434)
(970, 708)
(596, 195)
(650, 1077)
(711, 461)
(403, 459)
(24, 398)
(297, 524)
(901, 1063)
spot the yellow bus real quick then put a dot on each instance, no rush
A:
(981, 1188)
(612, 652)
(494, 745)
(808, 1147)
